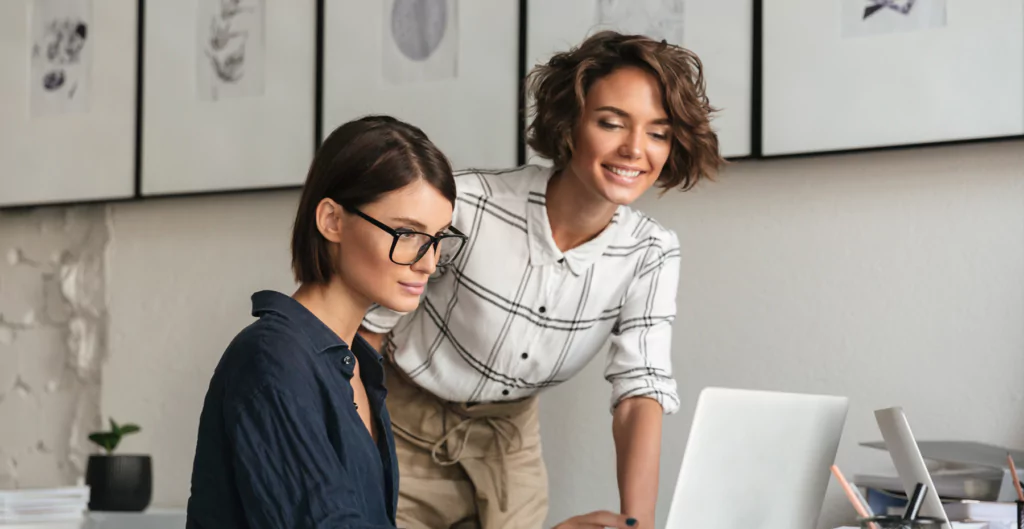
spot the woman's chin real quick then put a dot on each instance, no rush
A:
(400, 302)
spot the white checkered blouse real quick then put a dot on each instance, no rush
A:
(514, 315)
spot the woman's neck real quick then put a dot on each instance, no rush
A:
(576, 214)
(336, 305)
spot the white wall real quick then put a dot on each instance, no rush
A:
(894, 278)
(182, 271)
(53, 326)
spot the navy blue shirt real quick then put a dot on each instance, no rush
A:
(280, 443)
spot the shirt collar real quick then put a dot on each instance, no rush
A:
(319, 334)
(543, 250)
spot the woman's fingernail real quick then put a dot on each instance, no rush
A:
(631, 521)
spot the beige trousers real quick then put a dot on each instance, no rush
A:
(463, 466)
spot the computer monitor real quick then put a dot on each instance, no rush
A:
(757, 459)
(906, 456)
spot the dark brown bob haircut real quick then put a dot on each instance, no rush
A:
(358, 163)
(559, 89)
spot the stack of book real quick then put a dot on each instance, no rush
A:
(57, 508)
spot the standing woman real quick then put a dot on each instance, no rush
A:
(294, 431)
(557, 267)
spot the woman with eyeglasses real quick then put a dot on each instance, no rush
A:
(294, 431)
(558, 267)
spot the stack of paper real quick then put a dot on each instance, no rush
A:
(66, 506)
(996, 515)
(955, 525)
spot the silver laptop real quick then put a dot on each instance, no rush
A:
(757, 459)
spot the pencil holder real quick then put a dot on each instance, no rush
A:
(897, 522)
(1020, 514)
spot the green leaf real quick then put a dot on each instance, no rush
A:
(113, 426)
(129, 428)
(107, 440)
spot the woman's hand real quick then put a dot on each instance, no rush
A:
(598, 520)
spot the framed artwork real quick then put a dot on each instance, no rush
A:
(67, 100)
(856, 74)
(449, 67)
(228, 94)
(720, 32)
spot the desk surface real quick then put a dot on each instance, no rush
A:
(150, 519)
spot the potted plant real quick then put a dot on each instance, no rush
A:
(122, 482)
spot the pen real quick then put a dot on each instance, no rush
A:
(915, 502)
(1016, 482)
(851, 494)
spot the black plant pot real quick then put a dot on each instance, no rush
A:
(119, 482)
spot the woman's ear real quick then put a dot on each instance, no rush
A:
(329, 219)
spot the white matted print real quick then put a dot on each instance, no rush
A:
(230, 59)
(657, 19)
(468, 108)
(61, 62)
(882, 17)
(256, 132)
(421, 40)
(55, 152)
(824, 92)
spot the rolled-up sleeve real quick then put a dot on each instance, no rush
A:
(287, 473)
(640, 353)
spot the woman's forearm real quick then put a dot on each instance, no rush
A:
(636, 427)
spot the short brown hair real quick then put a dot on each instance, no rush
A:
(360, 161)
(559, 88)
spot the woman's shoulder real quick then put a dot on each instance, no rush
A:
(265, 354)
(636, 227)
(500, 183)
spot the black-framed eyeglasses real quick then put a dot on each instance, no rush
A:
(410, 246)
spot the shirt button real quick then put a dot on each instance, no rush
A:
(347, 359)
(543, 310)
(504, 392)
(562, 260)
(526, 355)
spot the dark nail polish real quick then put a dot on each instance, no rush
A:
(631, 521)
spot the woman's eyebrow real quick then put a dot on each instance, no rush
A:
(411, 222)
(623, 113)
(417, 224)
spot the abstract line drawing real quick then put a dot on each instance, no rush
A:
(61, 56)
(231, 52)
(900, 7)
(657, 19)
(881, 17)
(420, 40)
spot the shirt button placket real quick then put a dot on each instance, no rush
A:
(347, 360)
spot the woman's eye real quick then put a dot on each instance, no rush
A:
(609, 125)
(405, 234)
(659, 135)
